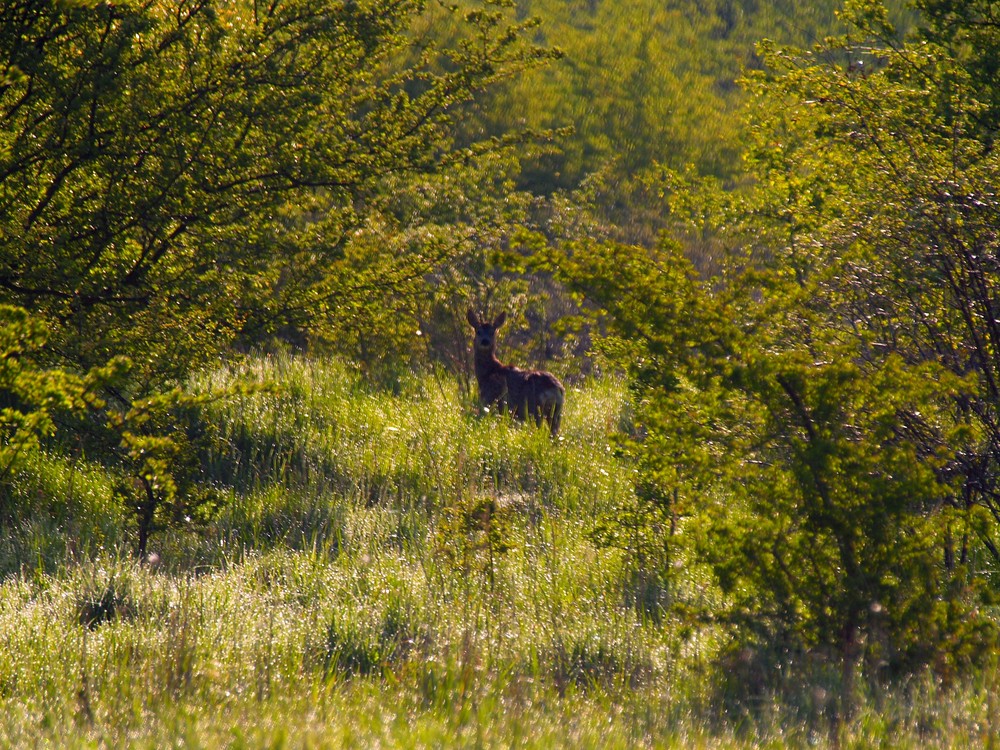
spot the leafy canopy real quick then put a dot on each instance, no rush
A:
(177, 179)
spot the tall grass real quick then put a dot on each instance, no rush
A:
(392, 570)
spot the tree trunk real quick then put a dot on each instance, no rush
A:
(146, 511)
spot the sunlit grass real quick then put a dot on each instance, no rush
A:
(391, 570)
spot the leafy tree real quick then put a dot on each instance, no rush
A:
(177, 179)
(158, 165)
(893, 187)
(824, 405)
(768, 448)
(880, 172)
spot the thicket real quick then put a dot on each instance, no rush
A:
(820, 409)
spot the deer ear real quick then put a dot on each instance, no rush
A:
(472, 318)
(500, 319)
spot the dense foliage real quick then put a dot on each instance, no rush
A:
(789, 247)
(822, 407)
(179, 179)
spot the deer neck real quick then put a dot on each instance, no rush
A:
(487, 364)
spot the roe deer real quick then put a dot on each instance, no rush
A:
(526, 393)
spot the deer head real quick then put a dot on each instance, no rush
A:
(485, 341)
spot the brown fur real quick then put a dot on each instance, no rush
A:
(525, 393)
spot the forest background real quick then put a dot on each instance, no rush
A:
(758, 242)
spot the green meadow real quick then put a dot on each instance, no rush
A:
(391, 569)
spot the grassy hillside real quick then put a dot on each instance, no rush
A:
(388, 570)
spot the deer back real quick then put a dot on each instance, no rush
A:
(532, 392)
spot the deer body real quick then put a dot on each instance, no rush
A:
(525, 393)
